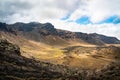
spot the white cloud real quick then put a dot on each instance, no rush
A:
(36, 10)
(97, 10)
(39, 10)
(102, 9)
(53, 10)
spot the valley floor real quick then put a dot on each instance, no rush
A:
(84, 56)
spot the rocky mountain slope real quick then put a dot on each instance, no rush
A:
(13, 66)
(41, 52)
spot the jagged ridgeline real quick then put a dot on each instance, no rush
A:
(41, 32)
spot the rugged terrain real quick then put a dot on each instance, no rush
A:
(46, 53)
(13, 66)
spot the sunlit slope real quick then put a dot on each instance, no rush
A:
(34, 49)
(41, 51)
(91, 57)
(73, 56)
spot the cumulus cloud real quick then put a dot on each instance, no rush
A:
(37, 10)
(97, 10)
(54, 11)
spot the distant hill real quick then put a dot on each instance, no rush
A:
(46, 33)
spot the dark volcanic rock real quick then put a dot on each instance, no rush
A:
(3, 27)
(6, 47)
(47, 29)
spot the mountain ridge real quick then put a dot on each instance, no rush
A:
(38, 31)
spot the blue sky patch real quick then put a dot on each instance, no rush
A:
(83, 20)
(86, 20)
(112, 19)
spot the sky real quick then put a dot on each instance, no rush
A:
(88, 16)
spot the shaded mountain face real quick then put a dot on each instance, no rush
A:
(33, 26)
(38, 32)
(2, 26)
